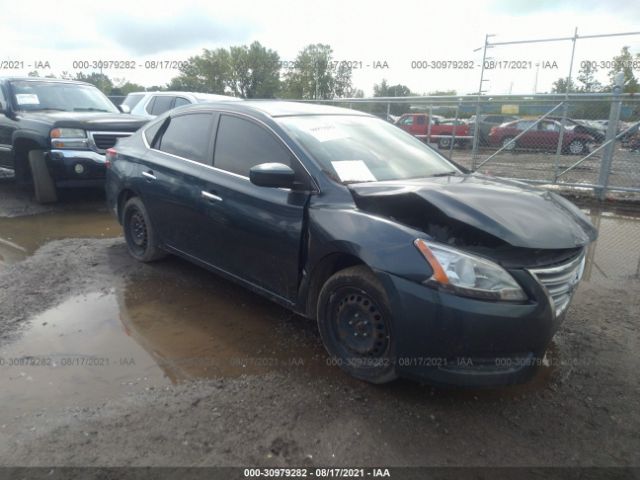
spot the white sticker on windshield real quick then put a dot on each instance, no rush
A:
(27, 99)
(325, 132)
(353, 171)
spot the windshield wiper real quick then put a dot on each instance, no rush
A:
(89, 109)
(443, 174)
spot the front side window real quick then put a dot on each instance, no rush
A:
(242, 144)
(524, 125)
(357, 148)
(188, 136)
(30, 95)
(407, 121)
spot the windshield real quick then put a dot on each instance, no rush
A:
(364, 149)
(69, 97)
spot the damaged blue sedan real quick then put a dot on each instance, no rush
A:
(410, 266)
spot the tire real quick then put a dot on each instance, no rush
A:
(139, 234)
(356, 325)
(43, 186)
(507, 144)
(576, 147)
(444, 142)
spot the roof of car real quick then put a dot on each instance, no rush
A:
(198, 95)
(279, 108)
(42, 79)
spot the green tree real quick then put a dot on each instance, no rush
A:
(124, 87)
(563, 85)
(316, 76)
(383, 89)
(100, 80)
(624, 63)
(587, 77)
(254, 71)
(208, 72)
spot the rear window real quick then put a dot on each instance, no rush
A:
(188, 136)
(160, 104)
(133, 99)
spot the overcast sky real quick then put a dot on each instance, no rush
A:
(363, 31)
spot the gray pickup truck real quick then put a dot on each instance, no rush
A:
(54, 133)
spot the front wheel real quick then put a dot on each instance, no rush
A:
(44, 188)
(139, 234)
(356, 325)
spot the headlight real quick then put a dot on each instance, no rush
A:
(74, 138)
(468, 275)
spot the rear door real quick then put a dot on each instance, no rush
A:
(258, 230)
(173, 174)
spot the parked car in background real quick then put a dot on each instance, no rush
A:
(598, 132)
(152, 104)
(442, 132)
(417, 123)
(409, 266)
(54, 133)
(543, 136)
(485, 123)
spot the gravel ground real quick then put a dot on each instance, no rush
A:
(581, 410)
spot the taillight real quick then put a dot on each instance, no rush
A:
(109, 156)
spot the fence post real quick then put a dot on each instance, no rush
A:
(453, 133)
(429, 120)
(388, 111)
(476, 128)
(612, 130)
(565, 108)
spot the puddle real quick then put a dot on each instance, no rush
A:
(74, 354)
(175, 322)
(178, 324)
(21, 236)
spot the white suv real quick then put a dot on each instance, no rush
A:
(152, 104)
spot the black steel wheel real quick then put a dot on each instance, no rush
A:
(138, 232)
(355, 324)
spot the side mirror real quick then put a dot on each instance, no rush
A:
(274, 175)
(124, 108)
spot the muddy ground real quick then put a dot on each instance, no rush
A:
(105, 361)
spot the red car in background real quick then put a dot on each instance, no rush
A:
(543, 136)
(417, 123)
(441, 129)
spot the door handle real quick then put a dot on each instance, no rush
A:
(210, 196)
(149, 175)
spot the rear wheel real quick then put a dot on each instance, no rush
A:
(355, 324)
(43, 186)
(139, 234)
(444, 142)
(508, 144)
(577, 147)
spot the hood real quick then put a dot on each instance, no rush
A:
(101, 121)
(516, 213)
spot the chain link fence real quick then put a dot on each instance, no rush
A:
(584, 141)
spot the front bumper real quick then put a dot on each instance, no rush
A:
(76, 168)
(451, 340)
